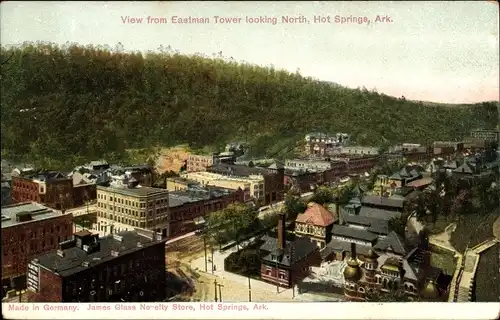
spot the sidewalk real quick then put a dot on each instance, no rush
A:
(199, 264)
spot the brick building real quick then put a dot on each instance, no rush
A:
(186, 205)
(29, 229)
(285, 263)
(361, 164)
(274, 177)
(125, 267)
(52, 189)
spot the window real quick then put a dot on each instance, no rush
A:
(269, 270)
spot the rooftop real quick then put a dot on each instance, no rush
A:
(294, 251)
(237, 170)
(183, 181)
(37, 212)
(134, 192)
(317, 215)
(181, 197)
(354, 233)
(74, 260)
(394, 202)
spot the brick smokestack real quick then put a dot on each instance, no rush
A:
(282, 231)
(353, 250)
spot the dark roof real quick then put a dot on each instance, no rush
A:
(74, 257)
(465, 167)
(383, 201)
(339, 245)
(374, 225)
(236, 170)
(392, 241)
(294, 251)
(344, 231)
(379, 214)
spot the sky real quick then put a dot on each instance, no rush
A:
(432, 51)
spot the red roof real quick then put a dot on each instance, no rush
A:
(317, 215)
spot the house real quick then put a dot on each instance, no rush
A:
(405, 175)
(316, 222)
(285, 263)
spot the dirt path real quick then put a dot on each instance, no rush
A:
(496, 228)
(443, 238)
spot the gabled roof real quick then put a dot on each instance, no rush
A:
(394, 202)
(465, 167)
(294, 251)
(317, 215)
(379, 214)
(354, 233)
(393, 242)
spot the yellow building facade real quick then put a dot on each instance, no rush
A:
(178, 184)
(128, 208)
(253, 186)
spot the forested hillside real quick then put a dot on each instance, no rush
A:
(60, 105)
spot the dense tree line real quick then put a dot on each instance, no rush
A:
(67, 104)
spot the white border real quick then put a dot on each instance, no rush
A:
(210, 310)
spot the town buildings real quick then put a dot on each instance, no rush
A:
(29, 229)
(316, 223)
(383, 271)
(178, 183)
(196, 201)
(253, 186)
(306, 174)
(51, 188)
(124, 267)
(273, 178)
(132, 206)
(196, 163)
(285, 263)
(319, 143)
(485, 134)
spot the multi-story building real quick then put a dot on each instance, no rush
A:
(126, 208)
(286, 263)
(357, 150)
(143, 173)
(309, 164)
(316, 223)
(274, 177)
(253, 186)
(29, 229)
(124, 267)
(52, 189)
(196, 162)
(193, 202)
(318, 143)
(485, 134)
(361, 164)
(447, 147)
(178, 183)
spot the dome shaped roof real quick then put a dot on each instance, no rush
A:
(352, 272)
(372, 255)
(430, 290)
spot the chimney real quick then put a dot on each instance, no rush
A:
(353, 250)
(401, 271)
(282, 231)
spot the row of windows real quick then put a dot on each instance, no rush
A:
(130, 203)
(134, 213)
(35, 246)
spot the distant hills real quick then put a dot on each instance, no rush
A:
(84, 102)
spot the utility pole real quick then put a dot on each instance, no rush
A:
(205, 248)
(277, 279)
(215, 287)
(212, 252)
(249, 291)
(220, 291)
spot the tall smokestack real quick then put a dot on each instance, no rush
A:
(282, 231)
(353, 250)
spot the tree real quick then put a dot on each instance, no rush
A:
(104, 101)
(398, 225)
(323, 195)
(294, 204)
(229, 223)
